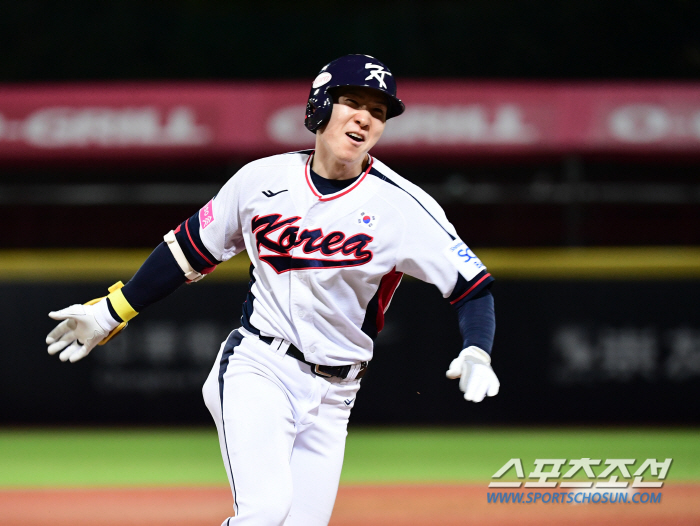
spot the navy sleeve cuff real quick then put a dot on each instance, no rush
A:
(465, 290)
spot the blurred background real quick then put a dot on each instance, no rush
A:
(561, 138)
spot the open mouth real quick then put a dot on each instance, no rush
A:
(355, 136)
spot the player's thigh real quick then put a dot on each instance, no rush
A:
(210, 389)
(256, 413)
(256, 433)
(317, 458)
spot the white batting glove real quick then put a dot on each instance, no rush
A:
(477, 379)
(82, 328)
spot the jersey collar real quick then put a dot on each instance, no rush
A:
(336, 195)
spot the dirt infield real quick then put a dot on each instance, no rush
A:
(356, 505)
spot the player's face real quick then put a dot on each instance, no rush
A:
(357, 122)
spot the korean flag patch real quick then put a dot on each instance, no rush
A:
(366, 219)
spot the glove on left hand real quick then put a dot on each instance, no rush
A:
(477, 379)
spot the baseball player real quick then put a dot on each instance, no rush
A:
(330, 232)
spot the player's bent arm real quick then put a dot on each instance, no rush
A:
(438, 256)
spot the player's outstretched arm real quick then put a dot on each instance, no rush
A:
(184, 256)
(83, 327)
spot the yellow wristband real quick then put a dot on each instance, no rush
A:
(119, 303)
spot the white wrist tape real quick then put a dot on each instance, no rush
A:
(103, 317)
(190, 273)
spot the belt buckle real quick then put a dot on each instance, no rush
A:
(321, 373)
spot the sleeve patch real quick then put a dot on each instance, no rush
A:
(206, 215)
(462, 257)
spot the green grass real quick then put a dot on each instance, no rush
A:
(474, 455)
(185, 457)
(108, 457)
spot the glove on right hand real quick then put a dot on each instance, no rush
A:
(79, 332)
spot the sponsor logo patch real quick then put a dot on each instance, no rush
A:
(322, 79)
(464, 259)
(206, 215)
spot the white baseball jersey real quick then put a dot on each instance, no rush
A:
(325, 267)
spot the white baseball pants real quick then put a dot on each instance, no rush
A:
(282, 433)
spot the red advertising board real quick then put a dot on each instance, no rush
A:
(455, 118)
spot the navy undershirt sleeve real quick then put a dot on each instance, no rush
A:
(477, 321)
(158, 277)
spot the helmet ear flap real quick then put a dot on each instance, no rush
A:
(310, 109)
(318, 111)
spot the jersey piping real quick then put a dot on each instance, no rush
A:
(248, 306)
(463, 288)
(330, 197)
(383, 177)
(233, 341)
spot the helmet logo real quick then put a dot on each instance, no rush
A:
(321, 79)
(377, 72)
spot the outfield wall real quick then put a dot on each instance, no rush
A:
(575, 342)
(444, 118)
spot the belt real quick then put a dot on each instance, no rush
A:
(340, 371)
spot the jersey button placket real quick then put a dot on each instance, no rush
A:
(298, 292)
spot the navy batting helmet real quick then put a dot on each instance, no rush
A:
(350, 70)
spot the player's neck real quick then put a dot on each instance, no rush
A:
(329, 167)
